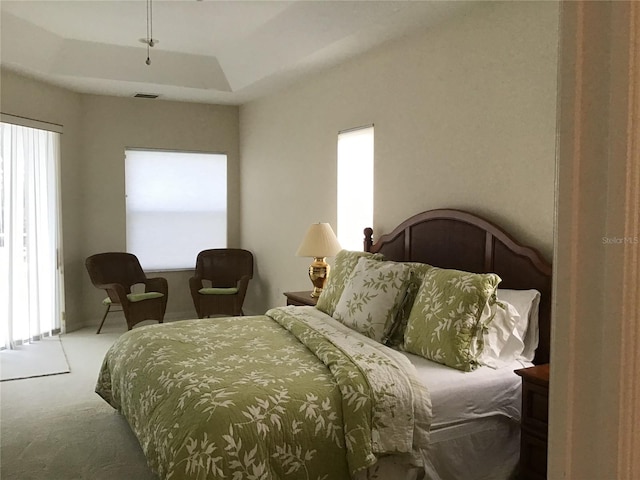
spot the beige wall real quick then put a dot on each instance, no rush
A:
(112, 124)
(464, 118)
(96, 131)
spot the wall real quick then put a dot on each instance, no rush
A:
(112, 124)
(96, 131)
(464, 117)
(30, 98)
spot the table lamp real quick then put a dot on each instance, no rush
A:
(319, 242)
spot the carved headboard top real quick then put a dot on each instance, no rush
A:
(448, 238)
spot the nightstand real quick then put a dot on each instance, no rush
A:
(535, 422)
(300, 299)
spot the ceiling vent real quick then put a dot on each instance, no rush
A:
(146, 95)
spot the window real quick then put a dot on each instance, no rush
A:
(176, 206)
(355, 186)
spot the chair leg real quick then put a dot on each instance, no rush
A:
(106, 312)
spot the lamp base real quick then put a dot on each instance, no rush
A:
(318, 273)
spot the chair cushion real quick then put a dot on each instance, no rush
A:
(218, 291)
(137, 297)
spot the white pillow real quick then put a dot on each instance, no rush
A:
(527, 303)
(502, 341)
(512, 333)
(372, 296)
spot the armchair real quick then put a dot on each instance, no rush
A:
(220, 282)
(117, 272)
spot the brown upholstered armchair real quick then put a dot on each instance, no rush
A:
(220, 282)
(117, 272)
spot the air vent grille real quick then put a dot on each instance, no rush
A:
(146, 95)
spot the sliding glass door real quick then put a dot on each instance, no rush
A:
(30, 278)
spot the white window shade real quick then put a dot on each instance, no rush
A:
(355, 186)
(176, 206)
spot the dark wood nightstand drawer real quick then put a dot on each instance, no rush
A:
(533, 458)
(534, 422)
(535, 408)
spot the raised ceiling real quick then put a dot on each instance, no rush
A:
(209, 51)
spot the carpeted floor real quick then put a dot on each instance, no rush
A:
(57, 428)
(37, 359)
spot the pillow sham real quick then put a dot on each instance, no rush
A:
(344, 264)
(527, 304)
(445, 319)
(417, 272)
(372, 297)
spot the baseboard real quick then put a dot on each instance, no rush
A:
(116, 317)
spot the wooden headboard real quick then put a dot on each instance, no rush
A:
(456, 239)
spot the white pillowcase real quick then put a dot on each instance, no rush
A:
(512, 334)
(502, 341)
(527, 303)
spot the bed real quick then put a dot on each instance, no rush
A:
(318, 393)
(478, 437)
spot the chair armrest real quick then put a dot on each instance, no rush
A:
(157, 284)
(243, 283)
(195, 284)
(117, 290)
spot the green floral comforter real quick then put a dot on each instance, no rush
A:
(289, 395)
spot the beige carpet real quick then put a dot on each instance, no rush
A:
(37, 359)
(57, 428)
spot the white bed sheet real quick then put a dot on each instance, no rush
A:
(460, 397)
(475, 432)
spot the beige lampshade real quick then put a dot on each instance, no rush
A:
(319, 241)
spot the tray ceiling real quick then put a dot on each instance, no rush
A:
(209, 51)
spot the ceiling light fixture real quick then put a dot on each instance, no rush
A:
(149, 40)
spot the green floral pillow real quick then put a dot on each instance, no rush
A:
(372, 297)
(445, 321)
(344, 264)
(417, 272)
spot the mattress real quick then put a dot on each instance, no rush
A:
(460, 397)
(475, 432)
